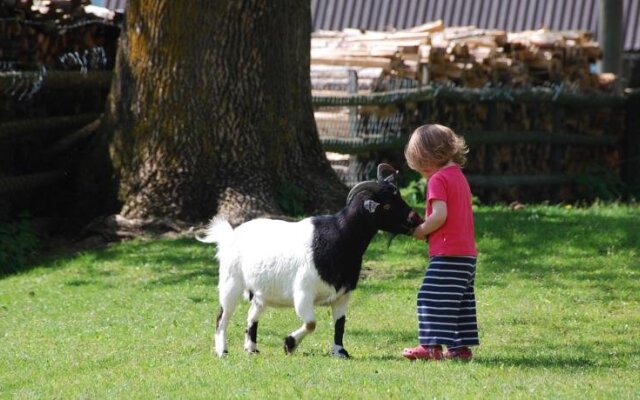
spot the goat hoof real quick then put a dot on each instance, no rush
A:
(222, 354)
(289, 345)
(252, 351)
(341, 353)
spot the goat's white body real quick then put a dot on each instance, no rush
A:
(273, 261)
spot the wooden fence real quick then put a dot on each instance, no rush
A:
(38, 134)
(619, 138)
(602, 137)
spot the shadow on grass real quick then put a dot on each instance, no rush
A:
(174, 261)
(525, 362)
(500, 362)
(210, 277)
(169, 262)
(386, 335)
(538, 361)
(379, 357)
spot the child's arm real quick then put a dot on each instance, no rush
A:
(434, 221)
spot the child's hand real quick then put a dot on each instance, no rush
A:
(419, 233)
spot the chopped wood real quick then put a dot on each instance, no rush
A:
(379, 62)
(429, 27)
(465, 56)
(42, 35)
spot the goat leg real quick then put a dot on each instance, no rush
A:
(303, 304)
(230, 295)
(339, 319)
(251, 334)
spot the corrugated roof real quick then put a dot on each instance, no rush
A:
(510, 15)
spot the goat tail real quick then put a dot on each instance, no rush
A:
(218, 231)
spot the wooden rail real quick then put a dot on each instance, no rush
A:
(30, 182)
(58, 80)
(359, 145)
(493, 181)
(33, 126)
(451, 93)
(529, 137)
(88, 123)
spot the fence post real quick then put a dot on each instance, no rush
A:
(491, 125)
(354, 165)
(424, 111)
(352, 88)
(558, 151)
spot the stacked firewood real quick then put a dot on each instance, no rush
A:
(556, 141)
(463, 56)
(55, 33)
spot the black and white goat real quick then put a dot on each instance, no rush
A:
(315, 261)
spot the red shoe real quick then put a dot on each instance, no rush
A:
(459, 353)
(421, 352)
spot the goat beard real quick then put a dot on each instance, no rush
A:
(390, 237)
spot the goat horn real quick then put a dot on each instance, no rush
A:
(382, 168)
(366, 185)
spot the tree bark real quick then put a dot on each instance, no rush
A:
(210, 111)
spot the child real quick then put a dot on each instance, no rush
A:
(446, 301)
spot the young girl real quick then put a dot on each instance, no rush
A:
(446, 301)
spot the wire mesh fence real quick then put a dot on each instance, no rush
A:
(518, 133)
(347, 129)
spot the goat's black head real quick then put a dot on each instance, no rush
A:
(381, 198)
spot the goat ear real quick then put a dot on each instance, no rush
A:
(371, 206)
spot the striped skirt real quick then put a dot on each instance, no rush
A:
(447, 304)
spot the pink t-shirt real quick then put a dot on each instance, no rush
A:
(456, 236)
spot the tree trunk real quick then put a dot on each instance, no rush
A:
(210, 112)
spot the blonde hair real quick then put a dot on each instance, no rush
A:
(435, 144)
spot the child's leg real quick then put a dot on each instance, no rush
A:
(467, 329)
(467, 319)
(439, 300)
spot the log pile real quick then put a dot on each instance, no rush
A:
(62, 34)
(49, 104)
(462, 56)
(520, 150)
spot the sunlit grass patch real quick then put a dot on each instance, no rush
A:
(558, 306)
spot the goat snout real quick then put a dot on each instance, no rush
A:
(414, 219)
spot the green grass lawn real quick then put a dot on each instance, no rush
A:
(558, 294)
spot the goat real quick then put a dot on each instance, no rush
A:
(315, 261)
